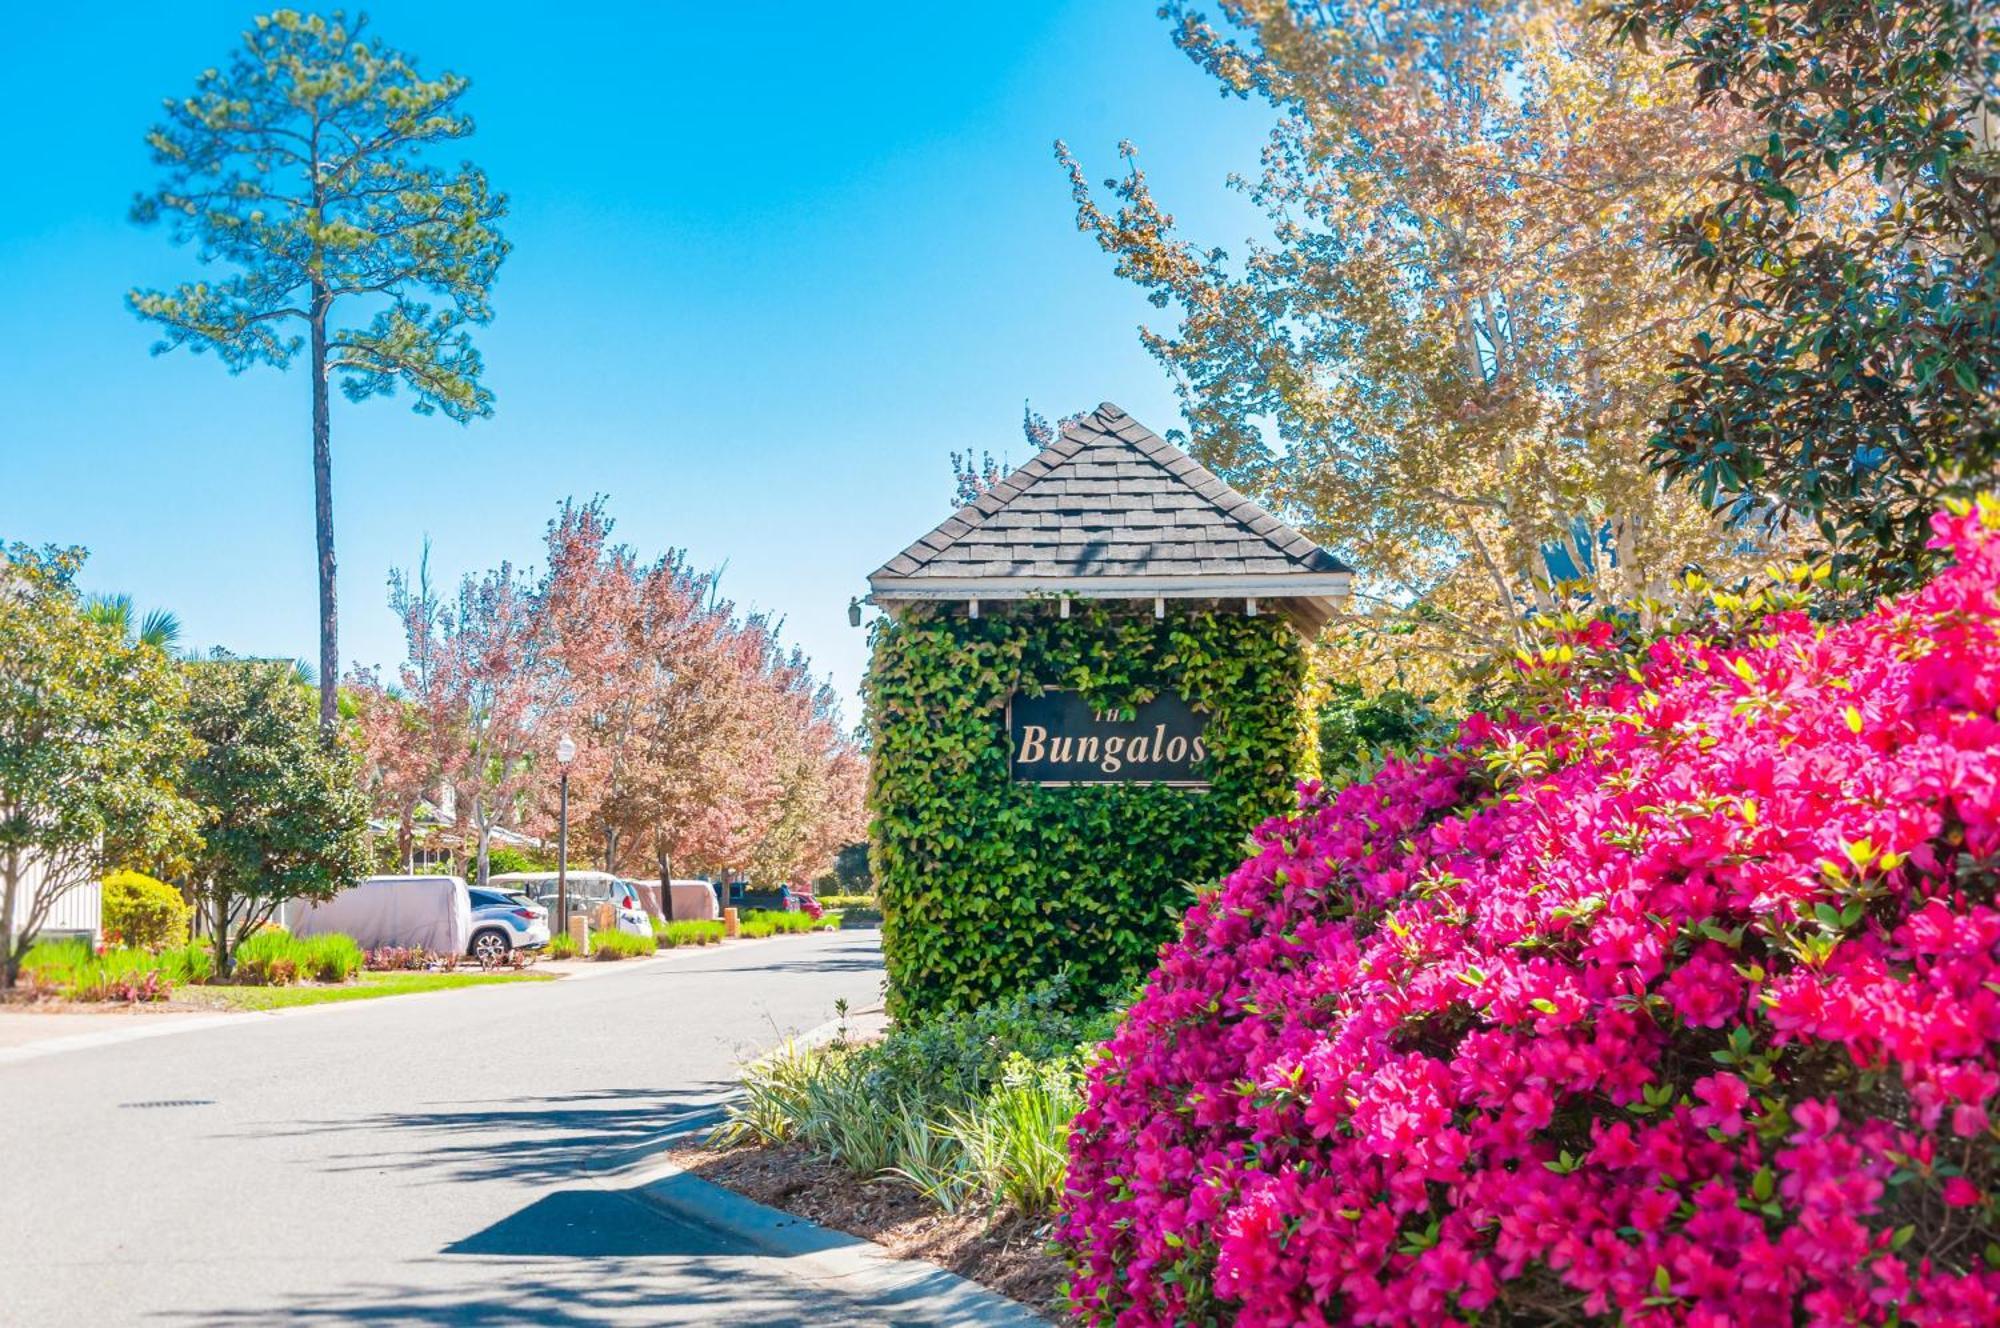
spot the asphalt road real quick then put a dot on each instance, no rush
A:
(456, 1158)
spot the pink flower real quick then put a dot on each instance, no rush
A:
(1437, 1052)
(1723, 1098)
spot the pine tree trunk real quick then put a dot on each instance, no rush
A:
(329, 627)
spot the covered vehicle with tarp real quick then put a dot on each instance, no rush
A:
(434, 912)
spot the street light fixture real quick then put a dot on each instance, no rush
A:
(565, 753)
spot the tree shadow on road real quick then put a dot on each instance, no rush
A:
(582, 1257)
(528, 1139)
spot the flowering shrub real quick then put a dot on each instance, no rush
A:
(1677, 1005)
(400, 958)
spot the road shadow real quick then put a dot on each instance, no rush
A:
(490, 1292)
(584, 1258)
(596, 1224)
(529, 1139)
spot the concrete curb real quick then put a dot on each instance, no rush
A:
(906, 1291)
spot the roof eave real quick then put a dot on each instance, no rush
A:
(1308, 599)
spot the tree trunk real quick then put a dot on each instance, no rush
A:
(610, 850)
(222, 955)
(10, 953)
(329, 626)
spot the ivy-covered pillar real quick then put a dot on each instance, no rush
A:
(1086, 688)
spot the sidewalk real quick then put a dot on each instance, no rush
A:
(860, 1273)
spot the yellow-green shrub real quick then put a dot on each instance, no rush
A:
(145, 913)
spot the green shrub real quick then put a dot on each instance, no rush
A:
(331, 958)
(772, 1108)
(1014, 1142)
(672, 934)
(761, 922)
(189, 964)
(54, 963)
(965, 1108)
(846, 901)
(988, 886)
(145, 913)
(274, 957)
(561, 946)
(611, 946)
(75, 972)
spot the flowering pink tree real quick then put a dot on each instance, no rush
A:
(820, 779)
(700, 743)
(399, 760)
(479, 676)
(1680, 1005)
(590, 601)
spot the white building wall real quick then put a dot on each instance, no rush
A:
(78, 911)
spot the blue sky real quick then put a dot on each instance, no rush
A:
(771, 265)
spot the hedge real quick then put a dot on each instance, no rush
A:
(989, 887)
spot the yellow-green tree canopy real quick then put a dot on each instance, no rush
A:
(91, 736)
(1446, 357)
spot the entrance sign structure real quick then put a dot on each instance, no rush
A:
(1113, 511)
(1088, 684)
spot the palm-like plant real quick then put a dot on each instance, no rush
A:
(159, 629)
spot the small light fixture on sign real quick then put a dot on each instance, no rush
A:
(1159, 606)
(565, 749)
(853, 612)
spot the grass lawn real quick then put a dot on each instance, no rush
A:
(366, 987)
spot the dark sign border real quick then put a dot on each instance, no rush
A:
(1007, 729)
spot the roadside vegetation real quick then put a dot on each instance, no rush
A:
(274, 969)
(971, 1110)
(366, 986)
(673, 934)
(761, 922)
(609, 946)
(854, 910)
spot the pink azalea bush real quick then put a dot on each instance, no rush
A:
(1677, 1004)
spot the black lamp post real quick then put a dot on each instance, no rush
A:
(565, 753)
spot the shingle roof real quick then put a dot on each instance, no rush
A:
(1110, 498)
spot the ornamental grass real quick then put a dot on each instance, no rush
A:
(1677, 1003)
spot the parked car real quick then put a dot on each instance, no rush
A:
(434, 912)
(504, 921)
(587, 890)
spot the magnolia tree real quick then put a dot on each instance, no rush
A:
(286, 817)
(1851, 249)
(1446, 357)
(91, 728)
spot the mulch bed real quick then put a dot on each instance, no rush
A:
(1009, 1255)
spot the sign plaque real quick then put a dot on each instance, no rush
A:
(1056, 738)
